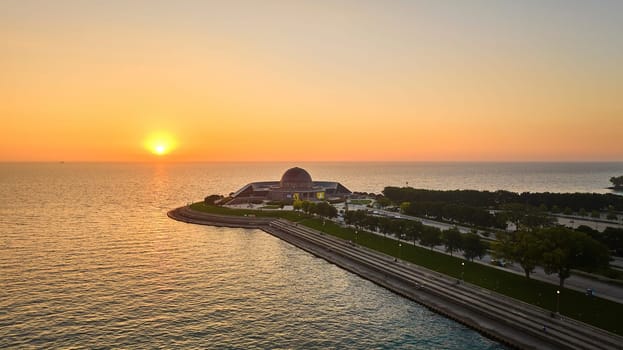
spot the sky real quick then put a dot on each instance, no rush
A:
(311, 80)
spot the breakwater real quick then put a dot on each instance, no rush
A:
(510, 321)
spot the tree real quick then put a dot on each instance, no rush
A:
(371, 223)
(430, 237)
(357, 218)
(211, 199)
(397, 227)
(522, 247)
(384, 224)
(452, 239)
(308, 207)
(404, 207)
(565, 249)
(383, 201)
(613, 239)
(413, 230)
(617, 182)
(527, 251)
(526, 217)
(473, 246)
(297, 204)
(503, 247)
(532, 221)
(324, 209)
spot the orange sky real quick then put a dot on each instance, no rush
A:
(311, 80)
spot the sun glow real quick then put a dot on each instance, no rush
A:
(160, 143)
(160, 149)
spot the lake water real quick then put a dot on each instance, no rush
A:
(88, 259)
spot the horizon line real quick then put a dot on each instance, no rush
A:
(155, 161)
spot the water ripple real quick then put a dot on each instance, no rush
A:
(92, 261)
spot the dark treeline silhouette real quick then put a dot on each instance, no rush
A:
(456, 213)
(470, 244)
(322, 209)
(611, 237)
(617, 182)
(557, 249)
(494, 200)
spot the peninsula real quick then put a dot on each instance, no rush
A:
(397, 268)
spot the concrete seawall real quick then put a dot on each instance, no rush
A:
(509, 321)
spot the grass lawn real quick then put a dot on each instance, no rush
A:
(285, 214)
(593, 310)
(271, 206)
(360, 201)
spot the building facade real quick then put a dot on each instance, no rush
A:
(295, 184)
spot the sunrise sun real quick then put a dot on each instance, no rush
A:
(160, 143)
(160, 149)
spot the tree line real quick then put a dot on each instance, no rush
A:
(322, 209)
(610, 237)
(520, 215)
(470, 244)
(455, 212)
(556, 249)
(495, 200)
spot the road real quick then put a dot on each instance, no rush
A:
(576, 282)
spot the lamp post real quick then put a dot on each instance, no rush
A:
(557, 301)
(356, 236)
(463, 272)
(400, 251)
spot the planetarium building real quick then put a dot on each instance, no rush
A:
(295, 184)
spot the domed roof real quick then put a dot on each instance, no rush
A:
(296, 178)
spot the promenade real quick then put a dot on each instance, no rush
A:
(603, 289)
(510, 321)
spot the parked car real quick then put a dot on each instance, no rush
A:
(499, 262)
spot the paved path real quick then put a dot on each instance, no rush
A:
(579, 283)
(576, 282)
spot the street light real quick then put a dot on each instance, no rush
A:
(400, 251)
(463, 272)
(558, 301)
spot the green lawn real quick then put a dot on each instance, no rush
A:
(285, 214)
(271, 206)
(596, 311)
(360, 201)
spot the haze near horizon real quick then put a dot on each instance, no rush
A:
(311, 81)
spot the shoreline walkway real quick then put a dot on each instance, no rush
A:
(576, 281)
(510, 321)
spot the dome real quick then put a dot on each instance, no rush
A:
(296, 178)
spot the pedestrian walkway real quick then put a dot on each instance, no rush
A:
(575, 282)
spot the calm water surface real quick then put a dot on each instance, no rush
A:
(89, 259)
